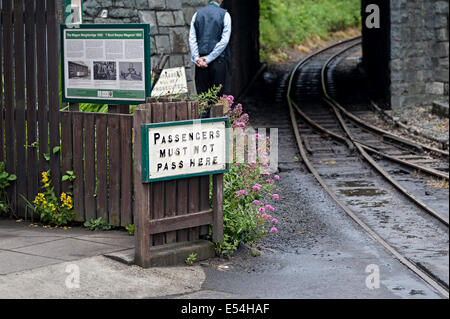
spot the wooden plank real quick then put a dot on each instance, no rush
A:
(204, 201)
(53, 92)
(217, 111)
(126, 124)
(9, 98)
(170, 186)
(101, 144)
(158, 187)
(119, 108)
(41, 55)
(30, 36)
(191, 221)
(194, 183)
(141, 195)
(89, 166)
(20, 124)
(182, 184)
(2, 149)
(78, 185)
(66, 147)
(114, 170)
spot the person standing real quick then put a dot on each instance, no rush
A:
(209, 39)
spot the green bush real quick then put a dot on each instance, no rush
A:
(284, 23)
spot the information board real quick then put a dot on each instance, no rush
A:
(183, 149)
(106, 63)
(171, 82)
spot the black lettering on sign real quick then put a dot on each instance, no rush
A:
(156, 137)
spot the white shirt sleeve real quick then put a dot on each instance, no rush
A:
(193, 41)
(220, 47)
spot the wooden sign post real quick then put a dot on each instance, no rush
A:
(175, 210)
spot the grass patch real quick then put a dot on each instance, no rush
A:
(285, 23)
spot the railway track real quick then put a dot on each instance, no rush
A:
(372, 174)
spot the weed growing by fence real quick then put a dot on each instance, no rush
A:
(5, 181)
(97, 224)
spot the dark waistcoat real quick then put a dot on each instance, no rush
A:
(209, 24)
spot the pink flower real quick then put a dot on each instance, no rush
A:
(227, 184)
(269, 217)
(203, 104)
(256, 188)
(241, 192)
(277, 177)
(275, 221)
(261, 210)
(276, 196)
(265, 165)
(256, 202)
(268, 181)
(270, 207)
(257, 135)
(264, 216)
(273, 230)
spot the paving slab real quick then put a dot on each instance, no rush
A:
(100, 277)
(11, 262)
(69, 249)
(9, 240)
(122, 240)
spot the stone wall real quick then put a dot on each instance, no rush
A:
(419, 52)
(169, 25)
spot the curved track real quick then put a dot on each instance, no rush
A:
(335, 146)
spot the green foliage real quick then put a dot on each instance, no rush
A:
(97, 224)
(55, 211)
(130, 229)
(208, 99)
(287, 22)
(69, 176)
(5, 181)
(190, 260)
(89, 107)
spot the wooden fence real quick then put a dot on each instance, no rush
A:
(29, 99)
(97, 147)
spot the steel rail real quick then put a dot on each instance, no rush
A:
(337, 111)
(413, 267)
(371, 149)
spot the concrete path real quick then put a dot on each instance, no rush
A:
(56, 263)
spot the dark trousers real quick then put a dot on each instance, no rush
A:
(217, 73)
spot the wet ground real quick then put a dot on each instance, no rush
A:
(319, 252)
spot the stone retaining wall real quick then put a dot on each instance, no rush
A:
(419, 52)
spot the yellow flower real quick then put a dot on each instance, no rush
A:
(46, 185)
